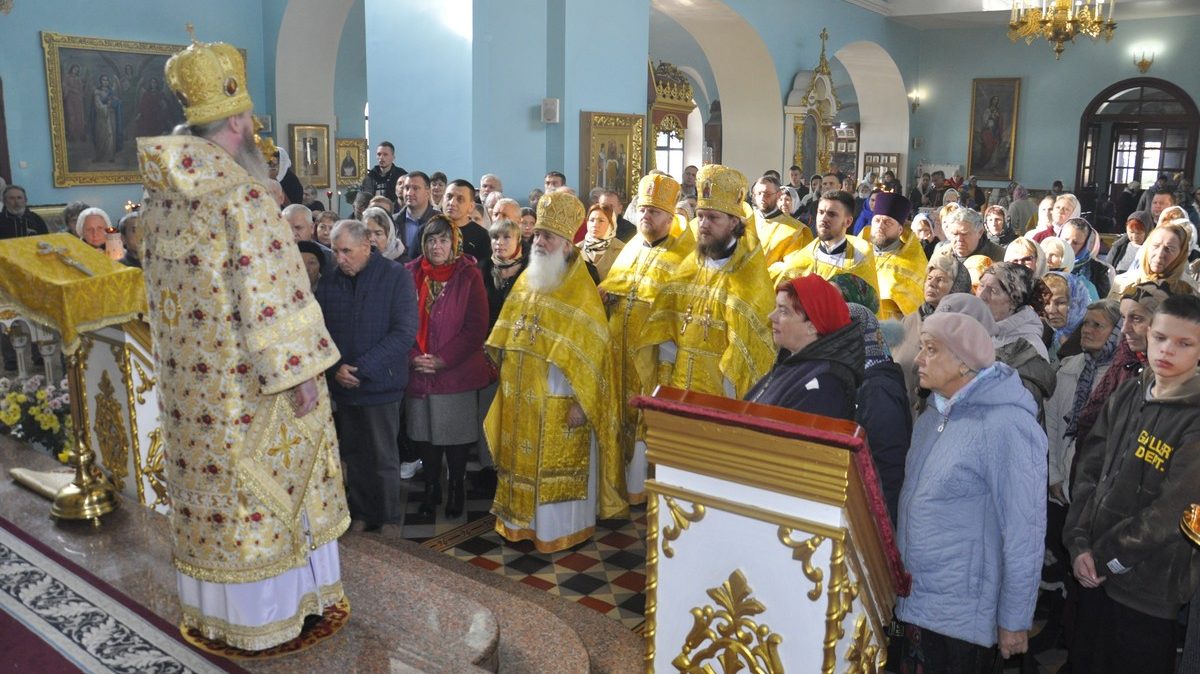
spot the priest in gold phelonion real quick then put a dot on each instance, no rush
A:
(252, 465)
(552, 426)
(708, 329)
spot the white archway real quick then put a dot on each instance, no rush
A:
(882, 101)
(305, 61)
(745, 74)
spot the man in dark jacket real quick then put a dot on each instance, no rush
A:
(16, 219)
(370, 311)
(1136, 477)
(381, 179)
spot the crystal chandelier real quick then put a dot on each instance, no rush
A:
(1059, 21)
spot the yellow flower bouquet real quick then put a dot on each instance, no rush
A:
(37, 413)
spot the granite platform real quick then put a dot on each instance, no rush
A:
(412, 609)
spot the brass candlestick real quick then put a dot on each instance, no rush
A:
(90, 495)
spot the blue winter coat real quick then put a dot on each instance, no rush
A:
(973, 511)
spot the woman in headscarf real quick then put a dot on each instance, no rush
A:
(972, 513)
(866, 211)
(381, 232)
(1065, 207)
(1045, 219)
(882, 407)
(1059, 256)
(501, 270)
(279, 168)
(995, 218)
(1077, 377)
(1028, 254)
(922, 227)
(1017, 302)
(819, 366)
(1124, 251)
(1163, 259)
(1022, 212)
(600, 245)
(1084, 242)
(950, 196)
(447, 366)
(943, 275)
(1065, 308)
(789, 201)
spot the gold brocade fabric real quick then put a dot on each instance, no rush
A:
(901, 276)
(235, 328)
(718, 321)
(56, 294)
(780, 235)
(862, 264)
(538, 459)
(631, 285)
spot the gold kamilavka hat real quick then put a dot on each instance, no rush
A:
(721, 189)
(659, 191)
(209, 79)
(561, 213)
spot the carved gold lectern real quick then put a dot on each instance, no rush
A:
(61, 283)
(768, 541)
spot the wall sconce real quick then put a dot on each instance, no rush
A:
(914, 100)
(1144, 60)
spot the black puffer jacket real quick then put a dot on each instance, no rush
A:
(883, 412)
(1139, 469)
(822, 378)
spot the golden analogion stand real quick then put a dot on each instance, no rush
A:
(61, 282)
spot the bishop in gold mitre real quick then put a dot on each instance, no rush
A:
(644, 265)
(708, 329)
(834, 251)
(899, 259)
(252, 462)
(552, 426)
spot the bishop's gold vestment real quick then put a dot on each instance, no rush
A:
(253, 488)
(539, 460)
(717, 319)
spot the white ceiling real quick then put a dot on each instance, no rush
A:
(975, 13)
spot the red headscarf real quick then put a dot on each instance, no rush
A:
(822, 303)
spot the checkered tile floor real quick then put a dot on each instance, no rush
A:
(605, 573)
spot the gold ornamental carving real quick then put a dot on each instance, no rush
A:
(155, 470)
(110, 432)
(728, 637)
(842, 592)
(147, 384)
(651, 589)
(682, 519)
(861, 656)
(670, 84)
(803, 553)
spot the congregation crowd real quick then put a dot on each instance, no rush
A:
(1027, 386)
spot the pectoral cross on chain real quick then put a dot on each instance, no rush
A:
(531, 325)
(705, 321)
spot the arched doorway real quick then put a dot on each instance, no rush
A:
(1136, 129)
(882, 102)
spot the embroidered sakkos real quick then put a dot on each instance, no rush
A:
(253, 489)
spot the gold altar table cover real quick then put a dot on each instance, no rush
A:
(53, 293)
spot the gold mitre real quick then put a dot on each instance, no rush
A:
(209, 79)
(561, 213)
(658, 191)
(721, 188)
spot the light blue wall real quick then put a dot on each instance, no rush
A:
(509, 138)
(604, 72)
(1053, 93)
(350, 83)
(420, 81)
(22, 66)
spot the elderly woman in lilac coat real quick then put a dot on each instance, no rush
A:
(972, 508)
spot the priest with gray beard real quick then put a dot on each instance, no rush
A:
(553, 424)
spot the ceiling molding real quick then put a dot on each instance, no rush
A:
(877, 6)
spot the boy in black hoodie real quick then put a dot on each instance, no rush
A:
(1138, 475)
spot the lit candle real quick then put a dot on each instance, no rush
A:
(1111, 6)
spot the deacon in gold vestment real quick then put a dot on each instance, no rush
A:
(708, 328)
(251, 458)
(778, 232)
(833, 251)
(645, 265)
(552, 426)
(899, 259)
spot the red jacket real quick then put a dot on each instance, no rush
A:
(458, 327)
